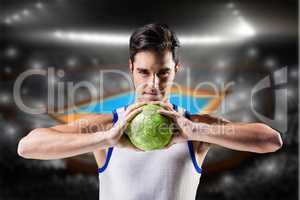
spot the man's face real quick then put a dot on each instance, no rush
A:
(153, 75)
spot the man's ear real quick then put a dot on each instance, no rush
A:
(177, 67)
(130, 64)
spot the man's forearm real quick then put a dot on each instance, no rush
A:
(253, 137)
(45, 144)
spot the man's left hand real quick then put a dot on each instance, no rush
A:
(185, 127)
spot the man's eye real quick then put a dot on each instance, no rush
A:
(143, 72)
(163, 73)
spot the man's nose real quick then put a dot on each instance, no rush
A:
(154, 81)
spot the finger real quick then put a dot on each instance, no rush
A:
(135, 106)
(171, 114)
(131, 115)
(122, 124)
(166, 106)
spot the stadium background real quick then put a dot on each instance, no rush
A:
(222, 41)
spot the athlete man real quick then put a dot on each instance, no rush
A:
(128, 173)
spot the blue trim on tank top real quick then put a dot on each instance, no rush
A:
(110, 149)
(191, 149)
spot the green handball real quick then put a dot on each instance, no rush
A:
(150, 130)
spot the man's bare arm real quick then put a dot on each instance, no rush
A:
(253, 137)
(91, 124)
(67, 140)
(209, 119)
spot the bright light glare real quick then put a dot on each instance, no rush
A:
(244, 29)
(123, 39)
(101, 38)
(194, 40)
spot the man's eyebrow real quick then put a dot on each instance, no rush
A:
(145, 69)
(140, 69)
(165, 69)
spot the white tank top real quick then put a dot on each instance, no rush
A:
(171, 173)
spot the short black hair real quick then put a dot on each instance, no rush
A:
(156, 37)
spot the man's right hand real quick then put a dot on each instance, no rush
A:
(116, 133)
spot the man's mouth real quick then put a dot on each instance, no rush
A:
(153, 94)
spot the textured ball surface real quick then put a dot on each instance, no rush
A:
(150, 130)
